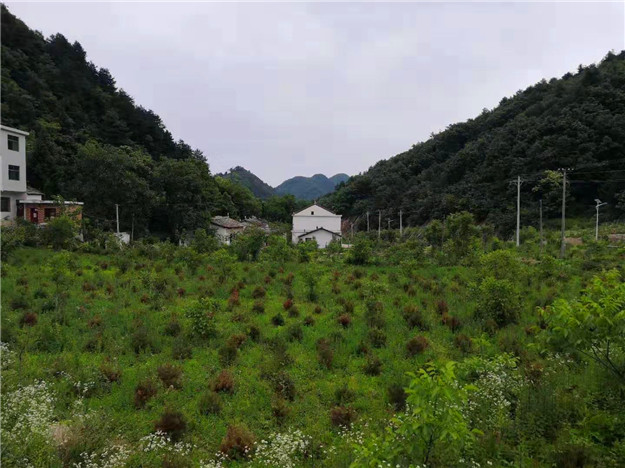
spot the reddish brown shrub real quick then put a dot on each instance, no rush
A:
(145, 298)
(94, 322)
(259, 292)
(29, 319)
(236, 340)
(325, 354)
(234, 300)
(143, 392)
(345, 320)
(237, 443)
(180, 292)
(342, 416)
(416, 345)
(267, 279)
(463, 343)
(287, 304)
(442, 307)
(317, 309)
(224, 382)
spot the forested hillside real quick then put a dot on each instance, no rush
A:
(249, 180)
(310, 188)
(90, 141)
(575, 122)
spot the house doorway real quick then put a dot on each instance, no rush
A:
(34, 215)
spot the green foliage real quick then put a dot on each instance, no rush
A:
(204, 241)
(434, 428)
(593, 325)
(277, 250)
(201, 317)
(499, 301)
(60, 232)
(248, 244)
(360, 252)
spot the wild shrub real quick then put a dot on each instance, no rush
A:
(238, 443)
(397, 396)
(172, 423)
(201, 315)
(374, 314)
(236, 340)
(288, 279)
(360, 252)
(234, 299)
(254, 333)
(170, 376)
(280, 410)
(224, 382)
(325, 354)
(173, 327)
(348, 307)
(209, 403)
(294, 311)
(416, 345)
(284, 386)
(343, 395)
(441, 307)
(277, 320)
(259, 292)
(463, 343)
(140, 339)
(317, 310)
(362, 349)
(181, 349)
(342, 416)
(111, 373)
(19, 303)
(336, 289)
(498, 300)
(143, 392)
(28, 319)
(258, 307)
(377, 338)
(373, 366)
(414, 318)
(452, 322)
(95, 322)
(287, 304)
(345, 320)
(228, 354)
(309, 321)
(295, 333)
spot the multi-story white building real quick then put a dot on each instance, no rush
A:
(13, 161)
(316, 223)
(17, 199)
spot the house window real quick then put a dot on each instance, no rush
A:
(14, 172)
(6, 204)
(13, 142)
(49, 213)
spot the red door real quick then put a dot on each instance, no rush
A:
(34, 215)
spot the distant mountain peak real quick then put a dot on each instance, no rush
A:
(310, 188)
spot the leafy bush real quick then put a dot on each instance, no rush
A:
(397, 396)
(181, 349)
(377, 338)
(60, 232)
(201, 315)
(277, 320)
(344, 320)
(325, 353)
(414, 318)
(498, 301)
(360, 252)
(373, 366)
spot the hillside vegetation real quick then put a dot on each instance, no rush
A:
(465, 352)
(89, 141)
(577, 121)
(310, 188)
(244, 177)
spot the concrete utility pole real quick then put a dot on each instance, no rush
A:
(379, 223)
(518, 210)
(540, 209)
(389, 223)
(117, 216)
(367, 221)
(352, 231)
(599, 204)
(401, 226)
(563, 244)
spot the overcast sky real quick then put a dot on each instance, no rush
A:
(288, 89)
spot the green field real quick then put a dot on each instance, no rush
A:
(232, 358)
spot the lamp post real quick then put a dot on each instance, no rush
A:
(599, 204)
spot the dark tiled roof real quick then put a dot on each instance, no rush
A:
(319, 229)
(227, 222)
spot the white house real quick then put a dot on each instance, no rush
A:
(17, 199)
(226, 228)
(316, 223)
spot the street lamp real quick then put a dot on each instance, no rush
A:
(599, 203)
